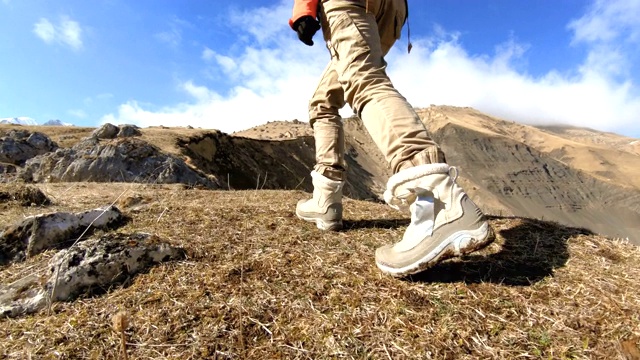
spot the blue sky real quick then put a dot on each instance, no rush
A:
(233, 65)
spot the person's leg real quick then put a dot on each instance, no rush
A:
(444, 221)
(324, 118)
(325, 206)
(357, 49)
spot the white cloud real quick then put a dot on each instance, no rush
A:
(611, 31)
(225, 63)
(208, 54)
(275, 76)
(608, 20)
(446, 74)
(79, 113)
(45, 30)
(173, 36)
(100, 97)
(67, 32)
(264, 29)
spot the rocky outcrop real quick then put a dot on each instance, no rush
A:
(88, 268)
(21, 145)
(117, 160)
(247, 163)
(38, 233)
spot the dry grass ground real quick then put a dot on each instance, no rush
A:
(260, 284)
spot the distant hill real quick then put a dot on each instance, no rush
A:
(56, 122)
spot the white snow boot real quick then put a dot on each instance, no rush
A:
(325, 207)
(444, 221)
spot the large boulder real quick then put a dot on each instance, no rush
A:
(89, 267)
(118, 160)
(106, 131)
(21, 145)
(39, 233)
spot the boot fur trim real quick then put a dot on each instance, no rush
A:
(397, 191)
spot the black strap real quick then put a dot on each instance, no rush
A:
(406, 5)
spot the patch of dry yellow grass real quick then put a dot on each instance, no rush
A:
(259, 283)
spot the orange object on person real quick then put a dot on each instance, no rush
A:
(303, 8)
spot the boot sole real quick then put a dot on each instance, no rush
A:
(458, 244)
(321, 224)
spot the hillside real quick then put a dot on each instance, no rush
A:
(258, 283)
(608, 157)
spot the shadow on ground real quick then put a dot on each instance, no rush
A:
(375, 224)
(530, 251)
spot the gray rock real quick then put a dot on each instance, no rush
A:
(120, 160)
(38, 233)
(24, 195)
(106, 131)
(128, 131)
(7, 168)
(20, 145)
(89, 268)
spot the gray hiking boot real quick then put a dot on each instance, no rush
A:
(444, 221)
(325, 207)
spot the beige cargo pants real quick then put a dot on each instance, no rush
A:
(358, 40)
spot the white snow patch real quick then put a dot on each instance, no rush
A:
(22, 120)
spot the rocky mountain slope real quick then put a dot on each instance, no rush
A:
(522, 171)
